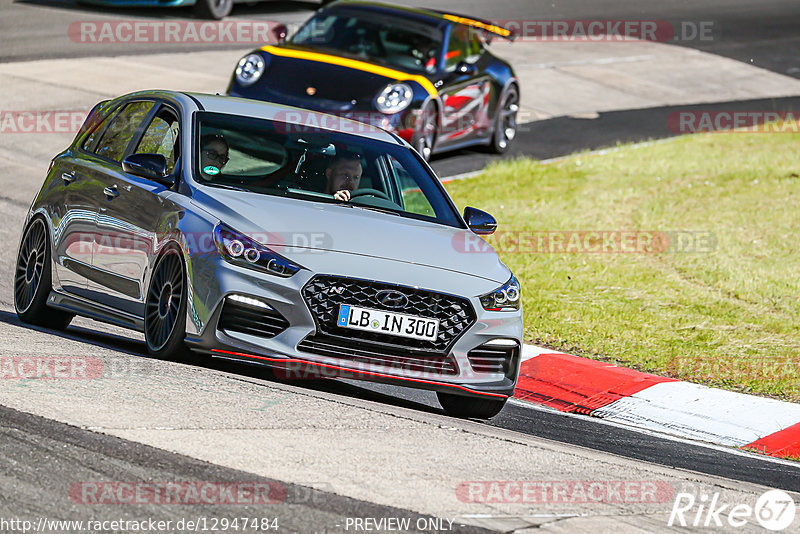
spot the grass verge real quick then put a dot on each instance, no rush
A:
(707, 290)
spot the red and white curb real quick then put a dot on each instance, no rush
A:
(579, 385)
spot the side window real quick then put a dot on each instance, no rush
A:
(99, 128)
(162, 137)
(464, 45)
(118, 134)
(414, 200)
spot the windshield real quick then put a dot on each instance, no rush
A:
(274, 158)
(407, 44)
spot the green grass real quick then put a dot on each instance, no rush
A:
(727, 317)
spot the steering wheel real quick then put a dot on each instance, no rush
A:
(367, 191)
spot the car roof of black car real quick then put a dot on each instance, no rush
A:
(430, 16)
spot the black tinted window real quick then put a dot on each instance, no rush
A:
(118, 134)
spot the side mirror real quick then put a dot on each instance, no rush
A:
(479, 221)
(150, 166)
(280, 32)
(467, 69)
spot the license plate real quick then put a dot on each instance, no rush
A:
(383, 322)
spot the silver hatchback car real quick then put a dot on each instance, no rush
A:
(314, 245)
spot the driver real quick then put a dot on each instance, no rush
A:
(343, 176)
(213, 155)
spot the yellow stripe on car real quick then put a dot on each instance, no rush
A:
(353, 64)
(478, 24)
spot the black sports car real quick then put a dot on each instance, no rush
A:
(425, 75)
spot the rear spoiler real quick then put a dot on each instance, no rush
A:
(485, 25)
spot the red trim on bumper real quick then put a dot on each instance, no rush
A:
(368, 373)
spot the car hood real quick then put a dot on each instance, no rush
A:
(289, 80)
(300, 230)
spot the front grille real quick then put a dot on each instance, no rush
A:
(324, 294)
(492, 359)
(246, 319)
(367, 353)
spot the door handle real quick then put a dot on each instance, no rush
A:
(68, 177)
(111, 192)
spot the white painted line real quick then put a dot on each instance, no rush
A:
(530, 351)
(699, 412)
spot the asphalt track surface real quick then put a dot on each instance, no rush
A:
(26, 442)
(761, 33)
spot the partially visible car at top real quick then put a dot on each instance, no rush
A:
(207, 221)
(427, 76)
(207, 9)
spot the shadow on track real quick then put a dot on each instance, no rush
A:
(561, 136)
(138, 348)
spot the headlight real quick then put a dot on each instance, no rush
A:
(394, 98)
(250, 69)
(506, 298)
(239, 249)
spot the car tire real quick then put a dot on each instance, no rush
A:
(425, 137)
(213, 9)
(471, 407)
(33, 279)
(505, 122)
(165, 308)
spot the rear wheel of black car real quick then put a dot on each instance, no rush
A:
(505, 128)
(425, 137)
(33, 280)
(213, 9)
(165, 308)
(473, 407)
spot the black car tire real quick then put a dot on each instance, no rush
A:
(505, 121)
(165, 308)
(213, 9)
(425, 137)
(33, 279)
(472, 407)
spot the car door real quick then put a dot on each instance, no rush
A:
(466, 91)
(73, 204)
(131, 210)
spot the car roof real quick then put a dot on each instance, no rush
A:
(430, 16)
(267, 110)
(420, 14)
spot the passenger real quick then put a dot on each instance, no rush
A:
(213, 155)
(343, 176)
